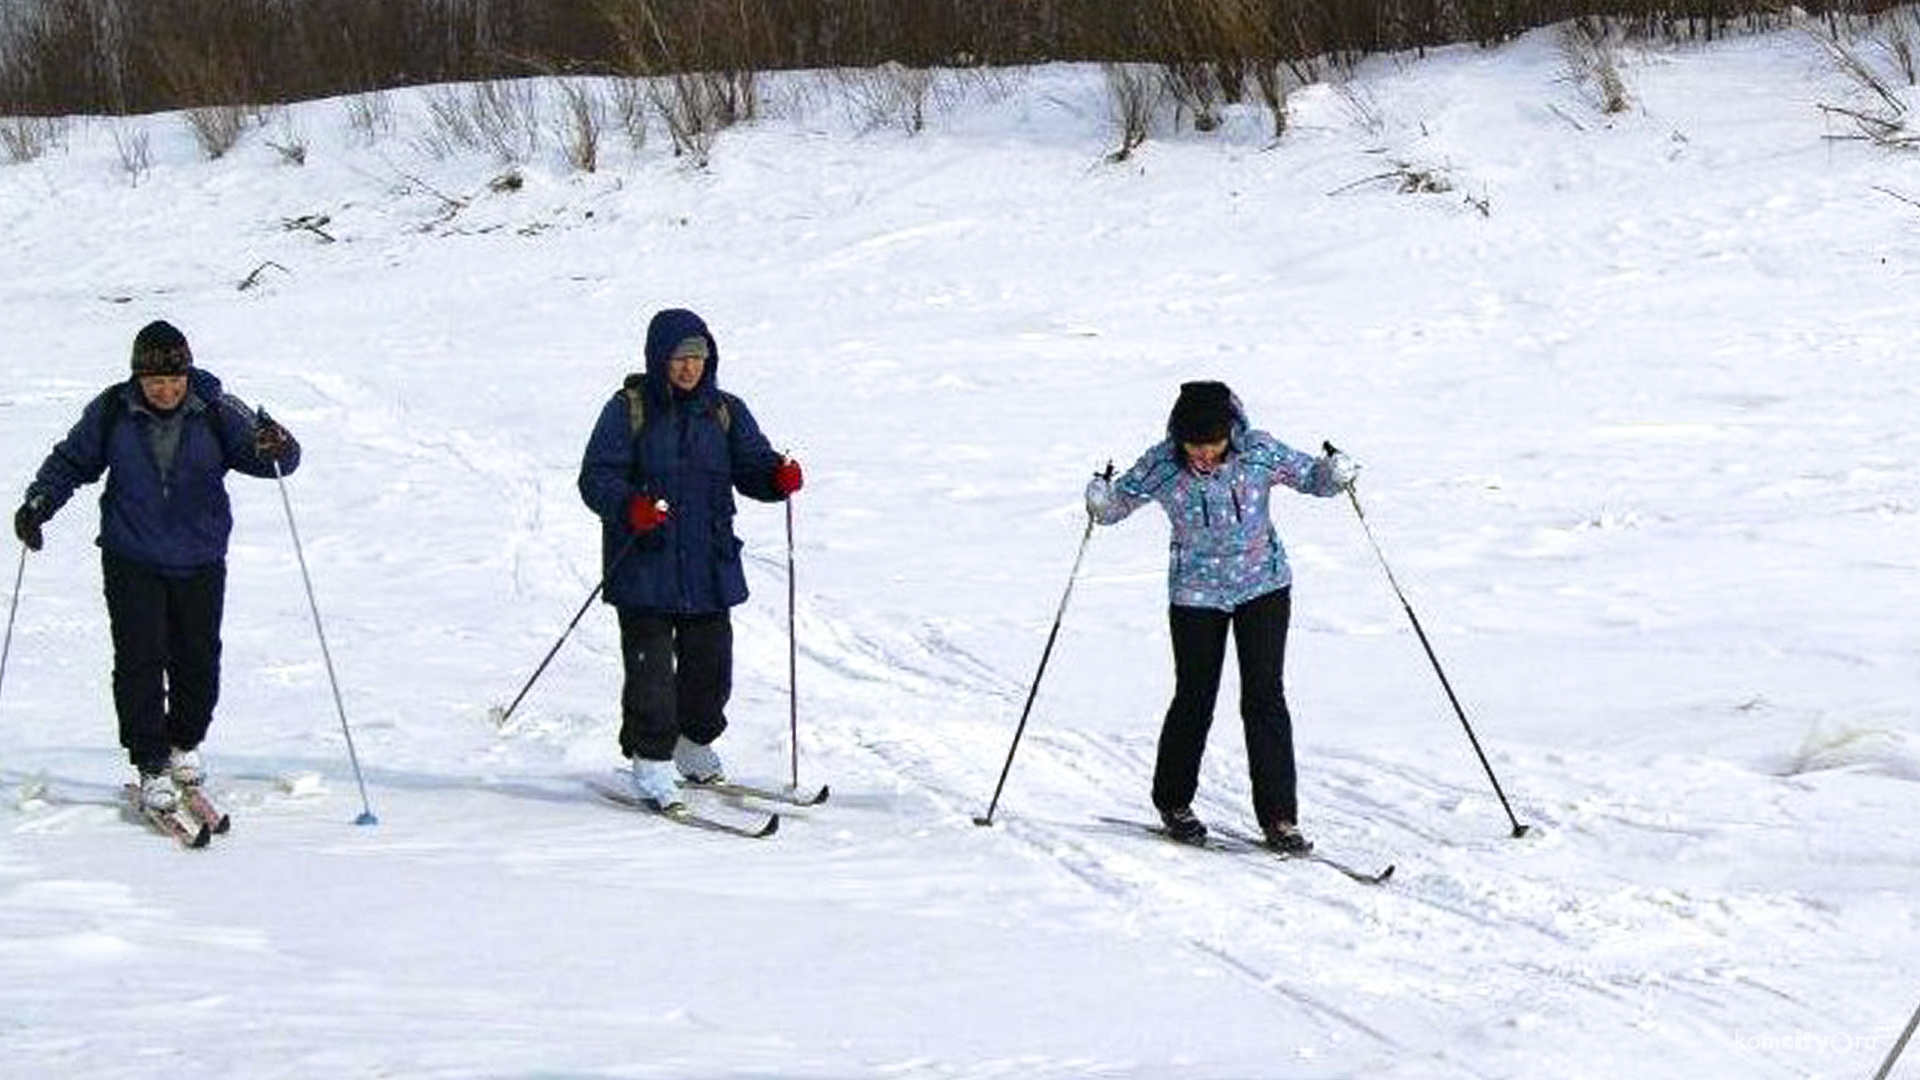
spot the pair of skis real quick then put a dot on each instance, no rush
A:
(193, 823)
(765, 826)
(1239, 843)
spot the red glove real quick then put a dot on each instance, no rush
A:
(646, 513)
(787, 478)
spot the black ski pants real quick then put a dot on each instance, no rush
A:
(166, 654)
(679, 675)
(1199, 650)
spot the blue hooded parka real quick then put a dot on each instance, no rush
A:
(177, 519)
(694, 449)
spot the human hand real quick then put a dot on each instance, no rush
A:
(646, 513)
(27, 521)
(270, 441)
(1343, 469)
(787, 477)
(1100, 491)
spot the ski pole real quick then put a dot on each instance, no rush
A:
(1034, 690)
(366, 807)
(577, 616)
(793, 656)
(13, 608)
(1519, 830)
(1899, 1046)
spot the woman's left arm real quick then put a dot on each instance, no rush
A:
(751, 459)
(1284, 465)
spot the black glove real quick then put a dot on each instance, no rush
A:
(27, 521)
(270, 440)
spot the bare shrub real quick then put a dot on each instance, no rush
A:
(696, 107)
(1194, 90)
(507, 116)
(1899, 39)
(289, 139)
(691, 121)
(369, 115)
(737, 90)
(450, 128)
(502, 119)
(135, 150)
(1134, 96)
(630, 110)
(1272, 81)
(1883, 119)
(26, 138)
(1360, 107)
(217, 128)
(1587, 45)
(889, 94)
(581, 125)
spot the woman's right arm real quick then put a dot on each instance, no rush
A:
(76, 460)
(1109, 500)
(605, 465)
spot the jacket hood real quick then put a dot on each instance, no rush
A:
(670, 328)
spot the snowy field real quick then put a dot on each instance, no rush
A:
(1636, 402)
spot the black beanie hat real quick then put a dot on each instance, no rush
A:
(161, 349)
(1203, 413)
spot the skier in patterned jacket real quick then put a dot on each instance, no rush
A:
(165, 439)
(1228, 571)
(660, 469)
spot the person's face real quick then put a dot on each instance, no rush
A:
(684, 371)
(1205, 457)
(164, 392)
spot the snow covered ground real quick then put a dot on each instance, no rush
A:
(1636, 405)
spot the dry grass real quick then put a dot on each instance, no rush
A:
(27, 138)
(1591, 52)
(1135, 93)
(135, 149)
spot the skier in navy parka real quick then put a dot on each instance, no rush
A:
(165, 439)
(660, 470)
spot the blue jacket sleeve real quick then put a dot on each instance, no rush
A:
(751, 458)
(237, 426)
(76, 460)
(604, 467)
(1283, 464)
(1110, 502)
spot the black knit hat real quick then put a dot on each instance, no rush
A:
(161, 349)
(1203, 413)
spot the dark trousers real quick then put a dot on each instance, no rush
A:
(1199, 649)
(166, 655)
(679, 675)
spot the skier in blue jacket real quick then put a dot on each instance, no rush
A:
(165, 439)
(660, 469)
(1227, 571)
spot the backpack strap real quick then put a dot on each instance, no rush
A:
(115, 404)
(634, 389)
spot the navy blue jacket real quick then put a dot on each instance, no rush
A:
(686, 455)
(179, 520)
